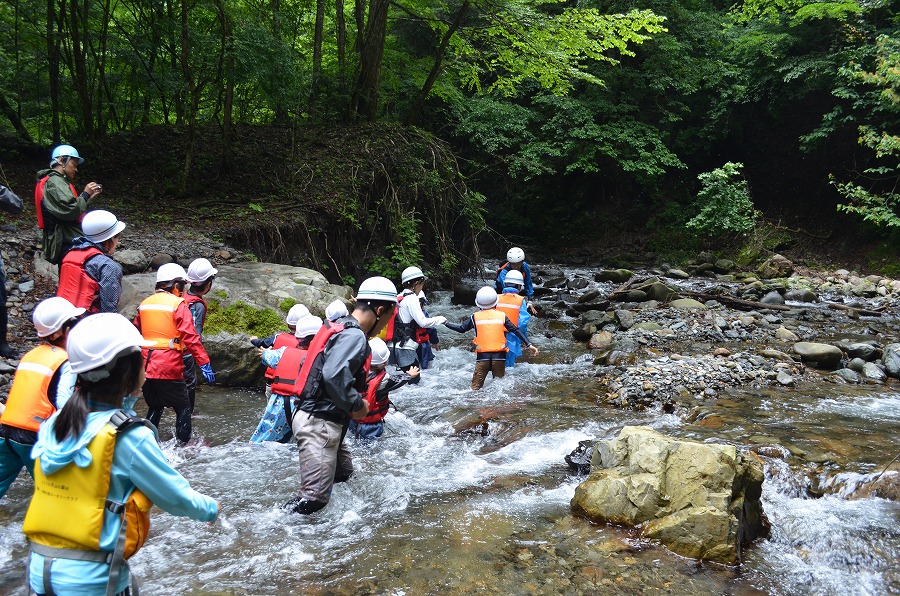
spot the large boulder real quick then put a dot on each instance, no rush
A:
(819, 355)
(256, 288)
(891, 360)
(700, 500)
(776, 266)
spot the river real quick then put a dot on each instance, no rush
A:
(468, 492)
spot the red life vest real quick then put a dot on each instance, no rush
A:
(191, 299)
(308, 381)
(378, 408)
(285, 374)
(389, 332)
(282, 340)
(39, 198)
(75, 285)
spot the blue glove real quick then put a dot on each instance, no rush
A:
(208, 373)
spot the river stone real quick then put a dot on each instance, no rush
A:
(687, 303)
(819, 355)
(584, 332)
(848, 375)
(776, 354)
(648, 326)
(772, 297)
(577, 283)
(660, 291)
(873, 372)
(856, 364)
(677, 274)
(613, 275)
(801, 295)
(723, 265)
(601, 340)
(775, 267)
(161, 259)
(630, 296)
(783, 378)
(625, 318)
(588, 296)
(866, 351)
(891, 360)
(700, 500)
(784, 334)
(131, 260)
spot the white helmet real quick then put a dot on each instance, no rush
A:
(380, 352)
(51, 314)
(336, 310)
(514, 277)
(308, 325)
(377, 288)
(486, 298)
(515, 255)
(170, 272)
(97, 341)
(200, 270)
(100, 225)
(410, 274)
(297, 312)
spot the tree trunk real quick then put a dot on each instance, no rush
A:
(415, 111)
(228, 80)
(188, 74)
(7, 110)
(53, 37)
(365, 96)
(359, 13)
(281, 114)
(317, 57)
(78, 30)
(341, 34)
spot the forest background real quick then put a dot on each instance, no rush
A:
(355, 135)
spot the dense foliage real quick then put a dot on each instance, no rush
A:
(568, 115)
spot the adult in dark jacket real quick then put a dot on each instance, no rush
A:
(10, 202)
(59, 206)
(333, 376)
(88, 277)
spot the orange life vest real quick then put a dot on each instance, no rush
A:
(39, 198)
(75, 285)
(378, 408)
(287, 371)
(28, 403)
(490, 331)
(157, 313)
(282, 340)
(511, 304)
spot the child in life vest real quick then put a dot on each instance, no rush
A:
(285, 361)
(426, 337)
(44, 382)
(515, 306)
(96, 466)
(490, 327)
(280, 340)
(379, 385)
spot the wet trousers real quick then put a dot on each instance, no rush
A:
(13, 457)
(324, 458)
(497, 368)
(169, 393)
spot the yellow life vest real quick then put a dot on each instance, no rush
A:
(28, 403)
(511, 304)
(490, 331)
(157, 313)
(67, 509)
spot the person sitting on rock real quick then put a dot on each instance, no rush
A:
(88, 277)
(280, 339)
(379, 384)
(285, 361)
(490, 327)
(43, 383)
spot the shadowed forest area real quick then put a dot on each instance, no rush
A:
(360, 134)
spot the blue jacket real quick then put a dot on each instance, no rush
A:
(137, 462)
(526, 273)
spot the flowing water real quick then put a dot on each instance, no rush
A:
(468, 492)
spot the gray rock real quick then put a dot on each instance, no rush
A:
(677, 274)
(848, 375)
(772, 297)
(723, 265)
(589, 296)
(785, 335)
(625, 319)
(873, 372)
(687, 303)
(891, 360)
(775, 267)
(856, 364)
(131, 260)
(785, 379)
(577, 283)
(866, 351)
(613, 275)
(801, 295)
(161, 259)
(819, 355)
(26, 287)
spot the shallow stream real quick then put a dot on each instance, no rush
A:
(468, 492)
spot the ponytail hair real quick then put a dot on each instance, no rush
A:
(123, 379)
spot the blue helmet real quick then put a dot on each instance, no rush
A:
(66, 151)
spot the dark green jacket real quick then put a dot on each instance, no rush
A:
(62, 211)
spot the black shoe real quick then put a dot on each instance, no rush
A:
(303, 506)
(7, 351)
